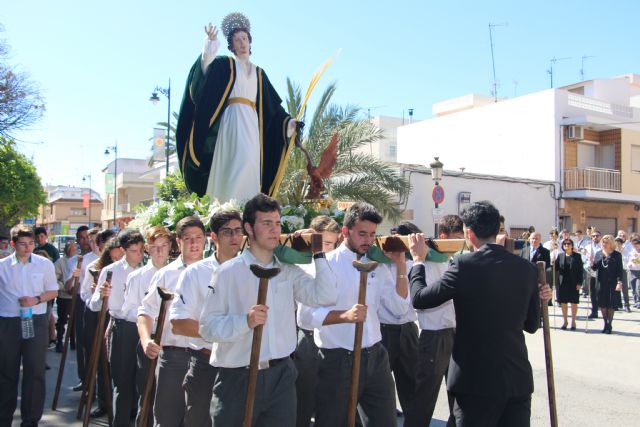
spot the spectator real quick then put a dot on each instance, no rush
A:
(608, 265)
(63, 301)
(619, 243)
(569, 268)
(42, 241)
(5, 249)
(634, 269)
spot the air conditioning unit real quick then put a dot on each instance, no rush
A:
(575, 132)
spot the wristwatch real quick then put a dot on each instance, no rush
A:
(319, 255)
(39, 299)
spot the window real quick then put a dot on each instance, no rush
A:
(77, 211)
(635, 158)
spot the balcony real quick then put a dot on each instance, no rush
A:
(599, 106)
(591, 179)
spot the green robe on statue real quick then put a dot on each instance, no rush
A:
(206, 98)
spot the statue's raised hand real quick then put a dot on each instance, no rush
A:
(212, 31)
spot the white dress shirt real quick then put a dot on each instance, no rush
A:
(167, 278)
(87, 282)
(444, 315)
(138, 284)
(87, 259)
(385, 315)
(378, 289)
(121, 270)
(235, 290)
(29, 279)
(304, 314)
(192, 289)
(633, 262)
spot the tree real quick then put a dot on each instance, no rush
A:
(21, 192)
(20, 101)
(357, 176)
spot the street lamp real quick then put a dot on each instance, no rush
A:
(115, 177)
(438, 191)
(155, 99)
(84, 178)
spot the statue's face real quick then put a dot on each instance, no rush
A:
(241, 44)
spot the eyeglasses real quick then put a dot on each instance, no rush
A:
(567, 244)
(228, 232)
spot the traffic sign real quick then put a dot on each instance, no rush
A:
(437, 194)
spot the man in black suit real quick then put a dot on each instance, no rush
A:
(495, 294)
(536, 252)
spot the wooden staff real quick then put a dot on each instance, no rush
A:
(96, 350)
(165, 297)
(551, 388)
(364, 269)
(264, 274)
(67, 336)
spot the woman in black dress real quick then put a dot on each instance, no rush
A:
(569, 268)
(608, 265)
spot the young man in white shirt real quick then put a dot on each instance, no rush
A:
(437, 333)
(230, 314)
(124, 337)
(173, 352)
(26, 281)
(158, 245)
(191, 292)
(335, 328)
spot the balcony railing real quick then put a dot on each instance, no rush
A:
(592, 179)
(599, 106)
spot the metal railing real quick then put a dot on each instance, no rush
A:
(592, 179)
(599, 106)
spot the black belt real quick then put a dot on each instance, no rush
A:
(390, 326)
(266, 364)
(176, 348)
(306, 332)
(365, 350)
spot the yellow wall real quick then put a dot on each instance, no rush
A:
(630, 180)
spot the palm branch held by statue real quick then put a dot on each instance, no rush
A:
(317, 174)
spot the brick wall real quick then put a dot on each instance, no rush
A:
(579, 210)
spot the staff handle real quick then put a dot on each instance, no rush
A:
(67, 336)
(357, 353)
(551, 388)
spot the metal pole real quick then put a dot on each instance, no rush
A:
(115, 184)
(435, 223)
(166, 148)
(90, 223)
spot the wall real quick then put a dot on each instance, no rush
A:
(516, 137)
(522, 204)
(579, 210)
(630, 180)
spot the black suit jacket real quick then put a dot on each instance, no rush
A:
(495, 294)
(570, 275)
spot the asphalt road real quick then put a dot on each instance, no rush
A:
(597, 377)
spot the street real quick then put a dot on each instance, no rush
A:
(596, 376)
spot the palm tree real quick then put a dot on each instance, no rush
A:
(356, 176)
(172, 139)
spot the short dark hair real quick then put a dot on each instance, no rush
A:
(186, 222)
(361, 211)
(451, 224)
(80, 230)
(129, 237)
(619, 240)
(221, 218)
(104, 235)
(483, 218)
(21, 230)
(567, 241)
(259, 203)
(3, 237)
(40, 230)
(405, 228)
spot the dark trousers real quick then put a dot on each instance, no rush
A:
(307, 361)
(481, 411)
(78, 333)
(376, 390)
(275, 399)
(142, 370)
(123, 363)
(593, 295)
(435, 349)
(64, 310)
(625, 289)
(401, 343)
(634, 284)
(198, 388)
(31, 353)
(90, 326)
(168, 405)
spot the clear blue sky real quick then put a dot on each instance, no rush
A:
(96, 63)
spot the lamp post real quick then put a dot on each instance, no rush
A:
(155, 99)
(115, 176)
(438, 191)
(84, 178)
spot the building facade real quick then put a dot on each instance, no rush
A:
(67, 208)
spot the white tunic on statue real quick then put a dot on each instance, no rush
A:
(235, 169)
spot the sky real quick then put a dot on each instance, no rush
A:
(97, 63)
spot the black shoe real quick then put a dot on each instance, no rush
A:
(59, 347)
(605, 329)
(573, 328)
(593, 316)
(78, 387)
(98, 413)
(628, 309)
(609, 330)
(564, 327)
(46, 367)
